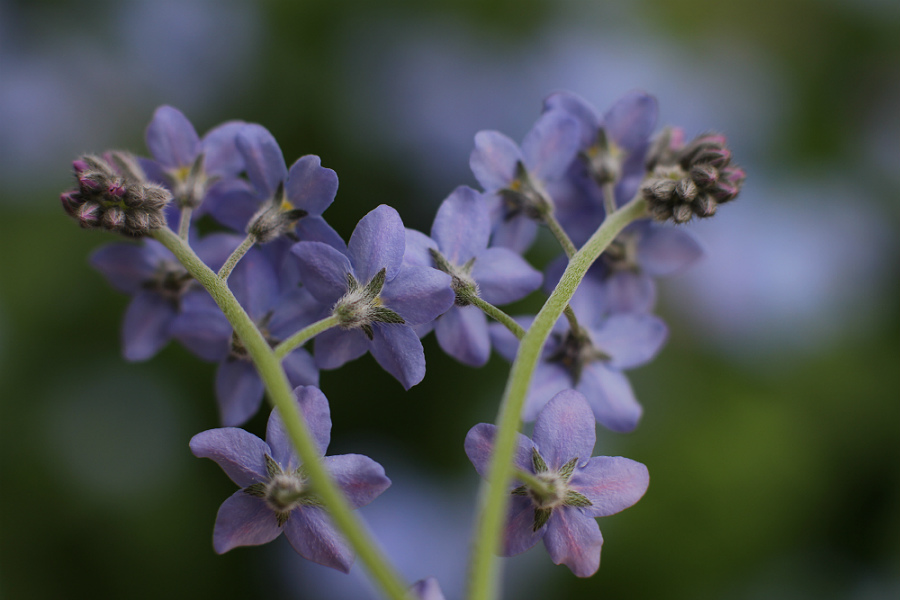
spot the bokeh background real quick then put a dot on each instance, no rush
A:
(772, 417)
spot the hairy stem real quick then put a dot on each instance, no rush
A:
(494, 493)
(500, 316)
(236, 256)
(184, 224)
(299, 338)
(560, 234)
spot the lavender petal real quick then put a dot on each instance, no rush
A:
(262, 157)
(310, 186)
(574, 539)
(418, 294)
(240, 453)
(314, 407)
(462, 225)
(462, 332)
(399, 352)
(565, 429)
(335, 347)
(145, 329)
(611, 398)
(493, 161)
(611, 483)
(239, 391)
(378, 242)
(312, 534)
(171, 138)
(359, 477)
(479, 446)
(630, 121)
(244, 520)
(323, 270)
(550, 147)
(665, 250)
(503, 276)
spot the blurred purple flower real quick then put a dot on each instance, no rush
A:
(428, 589)
(377, 296)
(275, 494)
(458, 246)
(576, 487)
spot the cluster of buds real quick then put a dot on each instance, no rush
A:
(114, 193)
(689, 180)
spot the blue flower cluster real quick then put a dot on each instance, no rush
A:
(389, 286)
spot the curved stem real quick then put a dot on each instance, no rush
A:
(500, 316)
(184, 224)
(495, 491)
(299, 338)
(609, 197)
(236, 256)
(560, 234)
(282, 398)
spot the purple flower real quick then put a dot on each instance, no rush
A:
(575, 487)
(428, 589)
(275, 494)
(458, 247)
(161, 287)
(278, 311)
(377, 297)
(517, 177)
(591, 360)
(275, 201)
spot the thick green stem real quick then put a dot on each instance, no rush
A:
(282, 398)
(299, 338)
(495, 491)
(236, 256)
(498, 315)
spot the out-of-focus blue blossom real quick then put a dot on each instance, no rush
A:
(377, 296)
(591, 360)
(161, 287)
(278, 311)
(578, 488)
(275, 494)
(428, 589)
(458, 246)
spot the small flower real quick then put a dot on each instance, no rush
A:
(377, 297)
(427, 589)
(275, 494)
(572, 488)
(114, 193)
(458, 247)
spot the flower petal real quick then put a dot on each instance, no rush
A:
(232, 202)
(611, 397)
(378, 242)
(550, 147)
(240, 453)
(418, 294)
(244, 520)
(399, 352)
(312, 534)
(418, 247)
(335, 347)
(300, 368)
(503, 276)
(239, 391)
(214, 249)
(220, 154)
(627, 291)
(323, 270)
(518, 533)
(666, 250)
(462, 225)
(127, 266)
(573, 539)
(579, 109)
(479, 448)
(630, 121)
(359, 477)
(255, 284)
(171, 138)
(262, 157)
(314, 407)
(202, 328)
(630, 339)
(315, 229)
(462, 332)
(310, 186)
(145, 329)
(611, 483)
(493, 161)
(549, 379)
(565, 429)
(516, 233)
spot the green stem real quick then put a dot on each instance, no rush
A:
(609, 197)
(495, 491)
(236, 256)
(560, 234)
(282, 397)
(184, 224)
(498, 315)
(299, 338)
(532, 482)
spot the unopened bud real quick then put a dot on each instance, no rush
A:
(705, 206)
(682, 213)
(686, 189)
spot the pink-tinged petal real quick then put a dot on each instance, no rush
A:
(503, 276)
(240, 453)
(579, 109)
(323, 270)
(126, 266)
(310, 186)
(418, 294)
(573, 539)
(630, 121)
(316, 413)
(611, 398)
(399, 352)
(378, 242)
(145, 328)
(232, 202)
(630, 339)
(479, 447)
(239, 391)
(493, 161)
(335, 347)
(418, 246)
(263, 159)
(627, 291)
(549, 379)
(427, 589)
(244, 520)
(611, 483)
(565, 429)
(462, 332)
(312, 534)
(220, 154)
(171, 138)
(666, 250)
(462, 225)
(315, 229)
(255, 284)
(518, 533)
(551, 145)
(516, 233)
(359, 477)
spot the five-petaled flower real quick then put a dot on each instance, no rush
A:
(275, 494)
(564, 488)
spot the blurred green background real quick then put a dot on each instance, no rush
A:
(772, 417)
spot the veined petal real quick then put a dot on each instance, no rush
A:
(462, 332)
(335, 347)
(378, 242)
(666, 250)
(220, 154)
(518, 533)
(493, 161)
(145, 329)
(240, 453)
(503, 276)
(611, 483)
(310, 186)
(323, 270)
(314, 537)
(611, 398)
(630, 121)
(573, 539)
(244, 520)
(399, 352)
(359, 477)
(462, 225)
(262, 157)
(630, 339)
(565, 429)
(239, 391)
(550, 147)
(479, 447)
(171, 138)
(418, 294)
(314, 407)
